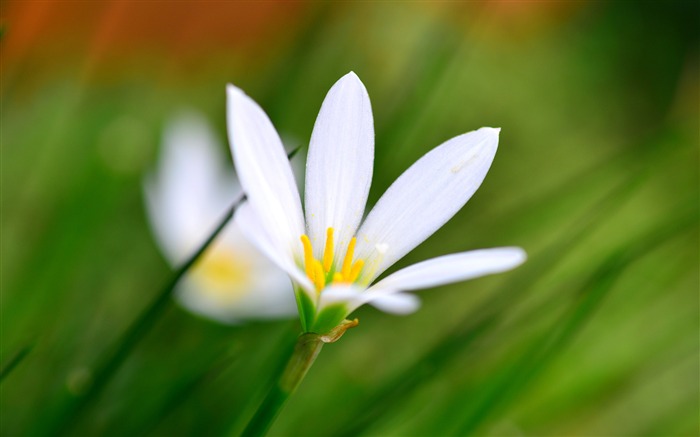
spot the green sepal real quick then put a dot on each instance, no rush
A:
(330, 317)
(306, 307)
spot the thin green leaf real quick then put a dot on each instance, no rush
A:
(15, 361)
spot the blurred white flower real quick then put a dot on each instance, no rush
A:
(188, 194)
(332, 260)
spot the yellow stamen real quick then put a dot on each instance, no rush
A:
(308, 256)
(319, 277)
(356, 268)
(347, 262)
(319, 271)
(328, 251)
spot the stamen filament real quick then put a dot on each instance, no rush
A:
(356, 268)
(328, 251)
(319, 275)
(321, 272)
(347, 262)
(308, 256)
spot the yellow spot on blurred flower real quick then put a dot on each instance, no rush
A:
(227, 275)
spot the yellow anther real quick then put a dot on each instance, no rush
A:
(319, 271)
(308, 256)
(328, 251)
(356, 268)
(319, 275)
(347, 262)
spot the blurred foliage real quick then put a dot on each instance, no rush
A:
(596, 177)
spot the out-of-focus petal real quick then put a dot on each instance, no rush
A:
(190, 189)
(248, 287)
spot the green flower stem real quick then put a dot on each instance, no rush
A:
(305, 352)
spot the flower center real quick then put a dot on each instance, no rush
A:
(322, 272)
(223, 275)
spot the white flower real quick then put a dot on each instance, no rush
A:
(186, 198)
(331, 254)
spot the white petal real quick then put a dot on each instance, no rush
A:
(423, 198)
(264, 171)
(191, 188)
(341, 293)
(450, 268)
(387, 294)
(396, 303)
(251, 228)
(353, 297)
(339, 164)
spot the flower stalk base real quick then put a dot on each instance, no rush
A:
(306, 350)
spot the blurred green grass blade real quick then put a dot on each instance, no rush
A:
(438, 49)
(511, 381)
(531, 212)
(516, 377)
(423, 369)
(294, 152)
(182, 392)
(479, 321)
(277, 100)
(270, 374)
(139, 328)
(683, 421)
(15, 361)
(134, 333)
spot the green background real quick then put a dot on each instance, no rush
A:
(596, 177)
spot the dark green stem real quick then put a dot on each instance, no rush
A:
(14, 361)
(305, 352)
